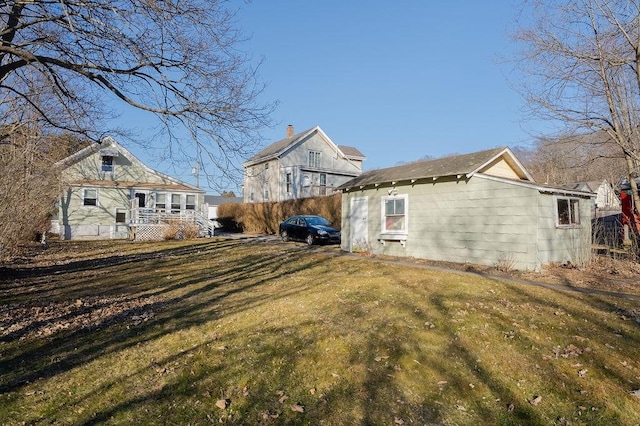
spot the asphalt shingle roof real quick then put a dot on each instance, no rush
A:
(446, 166)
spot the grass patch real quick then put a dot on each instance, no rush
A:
(226, 331)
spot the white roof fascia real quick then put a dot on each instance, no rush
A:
(109, 141)
(500, 154)
(533, 185)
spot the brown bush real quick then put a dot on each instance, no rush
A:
(265, 218)
(177, 230)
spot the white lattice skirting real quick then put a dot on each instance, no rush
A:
(149, 232)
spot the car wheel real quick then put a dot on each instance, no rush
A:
(309, 239)
(285, 236)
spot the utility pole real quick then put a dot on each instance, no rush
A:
(196, 171)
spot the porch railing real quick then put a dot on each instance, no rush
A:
(148, 216)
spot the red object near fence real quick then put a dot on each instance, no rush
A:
(630, 215)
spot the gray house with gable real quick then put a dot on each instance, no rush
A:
(304, 164)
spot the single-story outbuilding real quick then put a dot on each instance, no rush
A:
(482, 208)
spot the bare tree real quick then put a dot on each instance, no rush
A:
(581, 60)
(178, 60)
(573, 159)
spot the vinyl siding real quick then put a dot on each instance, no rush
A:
(478, 221)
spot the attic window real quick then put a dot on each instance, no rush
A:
(314, 159)
(107, 163)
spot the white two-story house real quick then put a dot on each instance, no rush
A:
(302, 165)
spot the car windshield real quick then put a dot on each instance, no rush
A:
(317, 220)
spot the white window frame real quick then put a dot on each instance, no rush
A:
(163, 203)
(323, 184)
(573, 219)
(315, 159)
(190, 206)
(120, 211)
(289, 182)
(383, 215)
(110, 168)
(179, 203)
(84, 197)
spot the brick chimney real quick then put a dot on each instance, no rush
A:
(290, 130)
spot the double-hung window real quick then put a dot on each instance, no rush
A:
(191, 202)
(90, 197)
(289, 182)
(567, 211)
(314, 159)
(175, 203)
(323, 184)
(161, 201)
(394, 214)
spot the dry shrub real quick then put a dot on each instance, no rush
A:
(265, 218)
(178, 230)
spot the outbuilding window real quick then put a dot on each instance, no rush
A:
(394, 214)
(567, 211)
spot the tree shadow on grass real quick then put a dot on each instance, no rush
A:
(189, 301)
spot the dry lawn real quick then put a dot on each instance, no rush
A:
(258, 332)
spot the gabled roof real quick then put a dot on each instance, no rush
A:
(111, 147)
(458, 165)
(277, 149)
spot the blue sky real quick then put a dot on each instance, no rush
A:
(398, 80)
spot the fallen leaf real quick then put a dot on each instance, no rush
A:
(536, 400)
(298, 408)
(222, 403)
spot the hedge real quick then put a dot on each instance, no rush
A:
(265, 218)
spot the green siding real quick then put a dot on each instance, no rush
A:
(479, 221)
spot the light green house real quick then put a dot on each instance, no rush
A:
(482, 208)
(109, 194)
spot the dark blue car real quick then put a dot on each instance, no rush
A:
(310, 229)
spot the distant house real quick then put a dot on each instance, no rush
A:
(482, 208)
(302, 165)
(606, 199)
(213, 201)
(110, 194)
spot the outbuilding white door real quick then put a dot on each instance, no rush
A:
(359, 224)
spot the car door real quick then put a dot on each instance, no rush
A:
(300, 228)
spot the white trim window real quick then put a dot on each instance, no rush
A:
(314, 159)
(323, 184)
(161, 201)
(394, 214)
(190, 203)
(176, 203)
(107, 163)
(567, 211)
(90, 197)
(289, 182)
